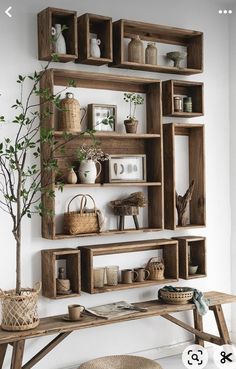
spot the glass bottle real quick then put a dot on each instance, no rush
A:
(151, 53)
(188, 106)
(136, 50)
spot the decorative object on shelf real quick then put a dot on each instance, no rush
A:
(85, 220)
(75, 311)
(192, 269)
(127, 168)
(128, 276)
(178, 103)
(143, 274)
(151, 53)
(182, 205)
(188, 106)
(98, 277)
(95, 51)
(177, 57)
(71, 177)
(112, 273)
(102, 117)
(176, 295)
(133, 99)
(58, 40)
(62, 283)
(136, 50)
(156, 267)
(70, 114)
(89, 156)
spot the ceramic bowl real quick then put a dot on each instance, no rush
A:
(193, 269)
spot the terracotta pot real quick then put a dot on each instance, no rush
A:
(131, 125)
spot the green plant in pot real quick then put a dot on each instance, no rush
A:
(133, 99)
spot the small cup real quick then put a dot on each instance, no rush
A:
(112, 273)
(193, 269)
(75, 311)
(128, 276)
(98, 277)
(143, 274)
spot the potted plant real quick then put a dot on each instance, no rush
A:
(133, 99)
(89, 156)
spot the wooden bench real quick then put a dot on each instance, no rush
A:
(55, 324)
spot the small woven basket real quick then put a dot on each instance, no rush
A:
(181, 297)
(70, 116)
(20, 312)
(156, 268)
(79, 222)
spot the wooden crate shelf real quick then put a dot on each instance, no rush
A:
(183, 88)
(149, 143)
(191, 40)
(47, 18)
(195, 247)
(50, 272)
(195, 134)
(170, 256)
(102, 27)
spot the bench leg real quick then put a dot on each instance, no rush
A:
(221, 324)
(17, 354)
(198, 324)
(3, 349)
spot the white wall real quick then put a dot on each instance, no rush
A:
(18, 40)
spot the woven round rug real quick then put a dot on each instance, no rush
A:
(120, 362)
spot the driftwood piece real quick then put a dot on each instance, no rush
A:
(182, 203)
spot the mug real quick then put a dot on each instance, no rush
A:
(98, 277)
(128, 276)
(75, 311)
(143, 274)
(112, 273)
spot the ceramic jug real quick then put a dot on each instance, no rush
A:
(95, 51)
(88, 171)
(59, 44)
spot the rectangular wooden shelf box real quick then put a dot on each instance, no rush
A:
(192, 40)
(149, 143)
(50, 274)
(102, 27)
(196, 152)
(185, 88)
(47, 19)
(170, 256)
(196, 247)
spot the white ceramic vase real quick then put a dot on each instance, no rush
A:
(88, 171)
(95, 51)
(59, 46)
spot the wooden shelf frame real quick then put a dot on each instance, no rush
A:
(149, 143)
(100, 25)
(192, 40)
(49, 272)
(47, 18)
(170, 256)
(197, 247)
(185, 88)
(195, 133)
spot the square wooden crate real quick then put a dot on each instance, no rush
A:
(49, 272)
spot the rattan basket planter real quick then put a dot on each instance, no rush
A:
(20, 312)
(181, 297)
(121, 362)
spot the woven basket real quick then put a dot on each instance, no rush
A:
(121, 362)
(79, 222)
(20, 312)
(181, 297)
(156, 268)
(70, 117)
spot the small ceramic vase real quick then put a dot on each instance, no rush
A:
(59, 45)
(95, 51)
(151, 54)
(71, 177)
(135, 50)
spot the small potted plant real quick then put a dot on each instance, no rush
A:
(89, 156)
(133, 99)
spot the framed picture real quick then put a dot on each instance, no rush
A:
(127, 168)
(102, 118)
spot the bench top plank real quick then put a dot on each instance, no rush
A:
(55, 324)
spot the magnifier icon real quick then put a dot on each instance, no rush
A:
(194, 357)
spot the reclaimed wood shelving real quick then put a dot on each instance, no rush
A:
(170, 256)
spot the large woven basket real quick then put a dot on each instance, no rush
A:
(20, 312)
(121, 362)
(156, 268)
(79, 222)
(70, 117)
(183, 296)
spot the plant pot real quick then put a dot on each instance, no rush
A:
(20, 312)
(131, 125)
(193, 269)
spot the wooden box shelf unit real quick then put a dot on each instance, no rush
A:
(196, 159)
(149, 143)
(49, 260)
(195, 248)
(170, 255)
(183, 88)
(46, 20)
(102, 27)
(191, 40)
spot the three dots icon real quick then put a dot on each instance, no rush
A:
(225, 11)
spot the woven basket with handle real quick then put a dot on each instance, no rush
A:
(82, 221)
(156, 268)
(181, 296)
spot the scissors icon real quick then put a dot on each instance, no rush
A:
(225, 357)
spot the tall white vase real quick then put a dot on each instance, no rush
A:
(88, 171)
(59, 46)
(95, 51)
